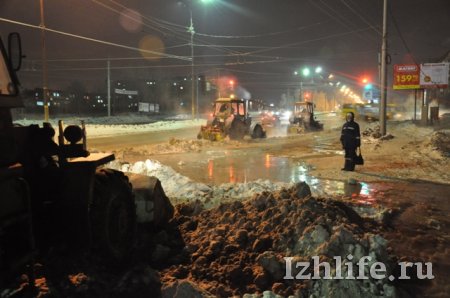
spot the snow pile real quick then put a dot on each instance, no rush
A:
(239, 247)
(440, 141)
(178, 145)
(372, 131)
(116, 119)
(109, 130)
(181, 188)
(105, 126)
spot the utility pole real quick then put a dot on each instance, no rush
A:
(191, 30)
(109, 86)
(383, 72)
(44, 64)
(218, 82)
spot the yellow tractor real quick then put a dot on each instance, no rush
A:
(230, 119)
(302, 118)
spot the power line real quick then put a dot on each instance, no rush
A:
(336, 16)
(258, 35)
(364, 19)
(94, 40)
(311, 40)
(175, 32)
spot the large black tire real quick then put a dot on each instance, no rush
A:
(237, 130)
(258, 132)
(113, 215)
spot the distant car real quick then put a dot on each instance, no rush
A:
(270, 118)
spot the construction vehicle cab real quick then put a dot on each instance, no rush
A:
(230, 118)
(302, 118)
(59, 192)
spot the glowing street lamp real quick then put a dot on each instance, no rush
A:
(191, 30)
(306, 72)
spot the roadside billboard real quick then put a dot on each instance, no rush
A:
(406, 76)
(434, 75)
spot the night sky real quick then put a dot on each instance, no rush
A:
(261, 42)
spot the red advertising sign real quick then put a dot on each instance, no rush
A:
(406, 76)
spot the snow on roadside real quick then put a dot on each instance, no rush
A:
(109, 130)
(180, 188)
(102, 128)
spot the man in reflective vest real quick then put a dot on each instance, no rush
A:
(350, 140)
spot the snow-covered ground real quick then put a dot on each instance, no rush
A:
(125, 124)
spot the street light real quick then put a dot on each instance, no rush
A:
(306, 72)
(193, 81)
(191, 30)
(44, 63)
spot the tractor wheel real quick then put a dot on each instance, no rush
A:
(237, 130)
(258, 132)
(212, 137)
(113, 215)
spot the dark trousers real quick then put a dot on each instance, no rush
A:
(350, 155)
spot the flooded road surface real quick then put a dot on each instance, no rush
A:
(413, 214)
(234, 166)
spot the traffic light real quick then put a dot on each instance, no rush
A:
(307, 95)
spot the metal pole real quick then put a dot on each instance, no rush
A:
(383, 73)
(191, 29)
(44, 64)
(301, 91)
(109, 87)
(415, 104)
(196, 97)
(218, 82)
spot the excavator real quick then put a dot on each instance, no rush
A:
(55, 192)
(230, 118)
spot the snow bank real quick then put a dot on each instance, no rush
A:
(239, 247)
(104, 126)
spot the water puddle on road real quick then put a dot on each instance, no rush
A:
(232, 166)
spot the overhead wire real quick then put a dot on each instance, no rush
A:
(312, 40)
(364, 19)
(394, 21)
(407, 48)
(176, 33)
(94, 40)
(258, 35)
(336, 16)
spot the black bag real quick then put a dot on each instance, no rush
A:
(359, 160)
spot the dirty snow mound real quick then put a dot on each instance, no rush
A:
(239, 247)
(440, 141)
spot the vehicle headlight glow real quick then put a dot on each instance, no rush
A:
(287, 114)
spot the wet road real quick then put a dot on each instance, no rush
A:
(413, 214)
(111, 143)
(418, 226)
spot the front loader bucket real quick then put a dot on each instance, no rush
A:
(211, 133)
(295, 128)
(152, 204)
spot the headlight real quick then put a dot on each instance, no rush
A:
(287, 114)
